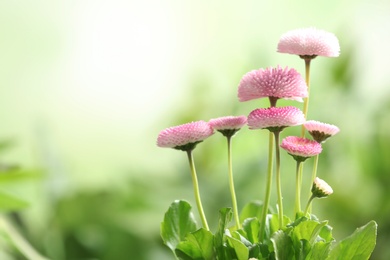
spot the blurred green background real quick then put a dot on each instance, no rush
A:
(86, 86)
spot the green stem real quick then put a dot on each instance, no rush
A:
(309, 204)
(306, 100)
(313, 176)
(231, 183)
(278, 181)
(19, 242)
(298, 187)
(268, 186)
(196, 190)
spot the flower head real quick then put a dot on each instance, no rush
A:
(320, 188)
(301, 148)
(272, 82)
(228, 125)
(309, 42)
(320, 131)
(275, 118)
(184, 137)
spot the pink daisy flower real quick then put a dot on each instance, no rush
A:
(275, 118)
(320, 188)
(228, 125)
(184, 137)
(320, 131)
(309, 42)
(273, 83)
(301, 148)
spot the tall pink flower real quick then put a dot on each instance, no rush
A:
(272, 83)
(184, 137)
(320, 131)
(275, 118)
(301, 148)
(228, 125)
(309, 42)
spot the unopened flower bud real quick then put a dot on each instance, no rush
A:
(320, 188)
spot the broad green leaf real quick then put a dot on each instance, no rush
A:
(272, 224)
(304, 235)
(11, 203)
(308, 230)
(240, 235)
(304, 249)
(283, 246)
(225, 216)
(241, 251)
(326, 233)
(251, 227)
(178, 222)
(267, 250)
(251, 210)
(255, 252)
(197, 245)
(319, 251)
(357, 246)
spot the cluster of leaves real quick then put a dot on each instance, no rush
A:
(302, 238)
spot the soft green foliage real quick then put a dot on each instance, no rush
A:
(178, 223)
(197, 245)
(283, 245)
(12, 174)
(10, 203)
(303, 238)
(357, 246)
(252, 209)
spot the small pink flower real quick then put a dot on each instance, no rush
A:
(301, 148)
(275, 118)
(272, 82)
(228, 125)
(228, 122)
(184, 137)
(320, 131)
(309, 42)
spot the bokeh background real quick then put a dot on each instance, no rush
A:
(86, 86)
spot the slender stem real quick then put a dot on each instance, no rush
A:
(306, 101)
(196, 190)
(309, 204)
(19, 242)
(298, 187)
(231, 183)
(313, 176)
(278, 182)
(268, 186)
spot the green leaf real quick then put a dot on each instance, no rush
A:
(272, 224)
(305, 235)
(197, 245)
(319, 251)
(357, 246)
(240, 235)
(251, 210)
(178, 222)
(283, 246)
(241, 251)
(308, 230)
(11, 203)
(225, 216)
(251, 227)
(255, 252)
(326, 233)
